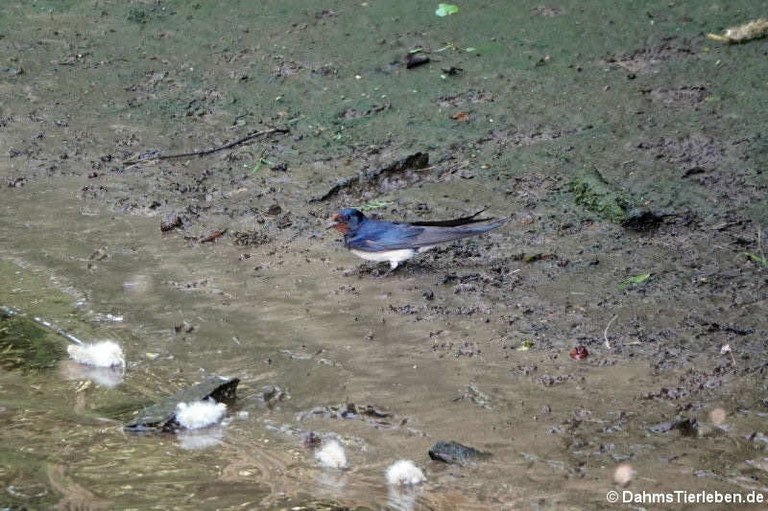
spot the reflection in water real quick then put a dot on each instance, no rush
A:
(107, 377)
(73, 495)
(331, 483)
(197, 439)
(28, 491)
(403, 498)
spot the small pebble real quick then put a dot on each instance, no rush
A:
(717, 416)
(623, 474)
(579, 353)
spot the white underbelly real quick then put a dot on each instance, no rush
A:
(393, 257)
(389, 256)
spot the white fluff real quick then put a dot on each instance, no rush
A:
(99, 354)
(332, 455)
(200, 414)
(404, 473)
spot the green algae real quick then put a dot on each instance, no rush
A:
(592, 191)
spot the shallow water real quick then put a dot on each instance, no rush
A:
(295, 330)
(440, 345)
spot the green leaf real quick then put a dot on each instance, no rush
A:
(526, 345)
(757, 258)
(636, 279)
(446, 10)
(374, 204)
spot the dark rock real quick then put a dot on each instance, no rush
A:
(162, 416)
(455, 453)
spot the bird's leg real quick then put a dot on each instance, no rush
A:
(392, 266)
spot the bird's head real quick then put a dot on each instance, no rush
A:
(346, 220)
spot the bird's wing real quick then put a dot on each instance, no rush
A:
(382, 236)
(471, 219)
(432, 235)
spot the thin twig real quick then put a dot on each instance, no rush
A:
(60, 331)
(205, 152)
(10, 311)
(605, 332)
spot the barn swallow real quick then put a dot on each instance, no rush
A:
(395, 242)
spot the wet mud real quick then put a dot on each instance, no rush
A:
(137, 204)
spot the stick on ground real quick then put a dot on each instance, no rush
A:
(10, 311)
(205, 152)
(605, 332)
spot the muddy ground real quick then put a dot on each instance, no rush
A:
(628, 150)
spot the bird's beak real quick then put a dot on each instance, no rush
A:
(333, 222)
(338, 223)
